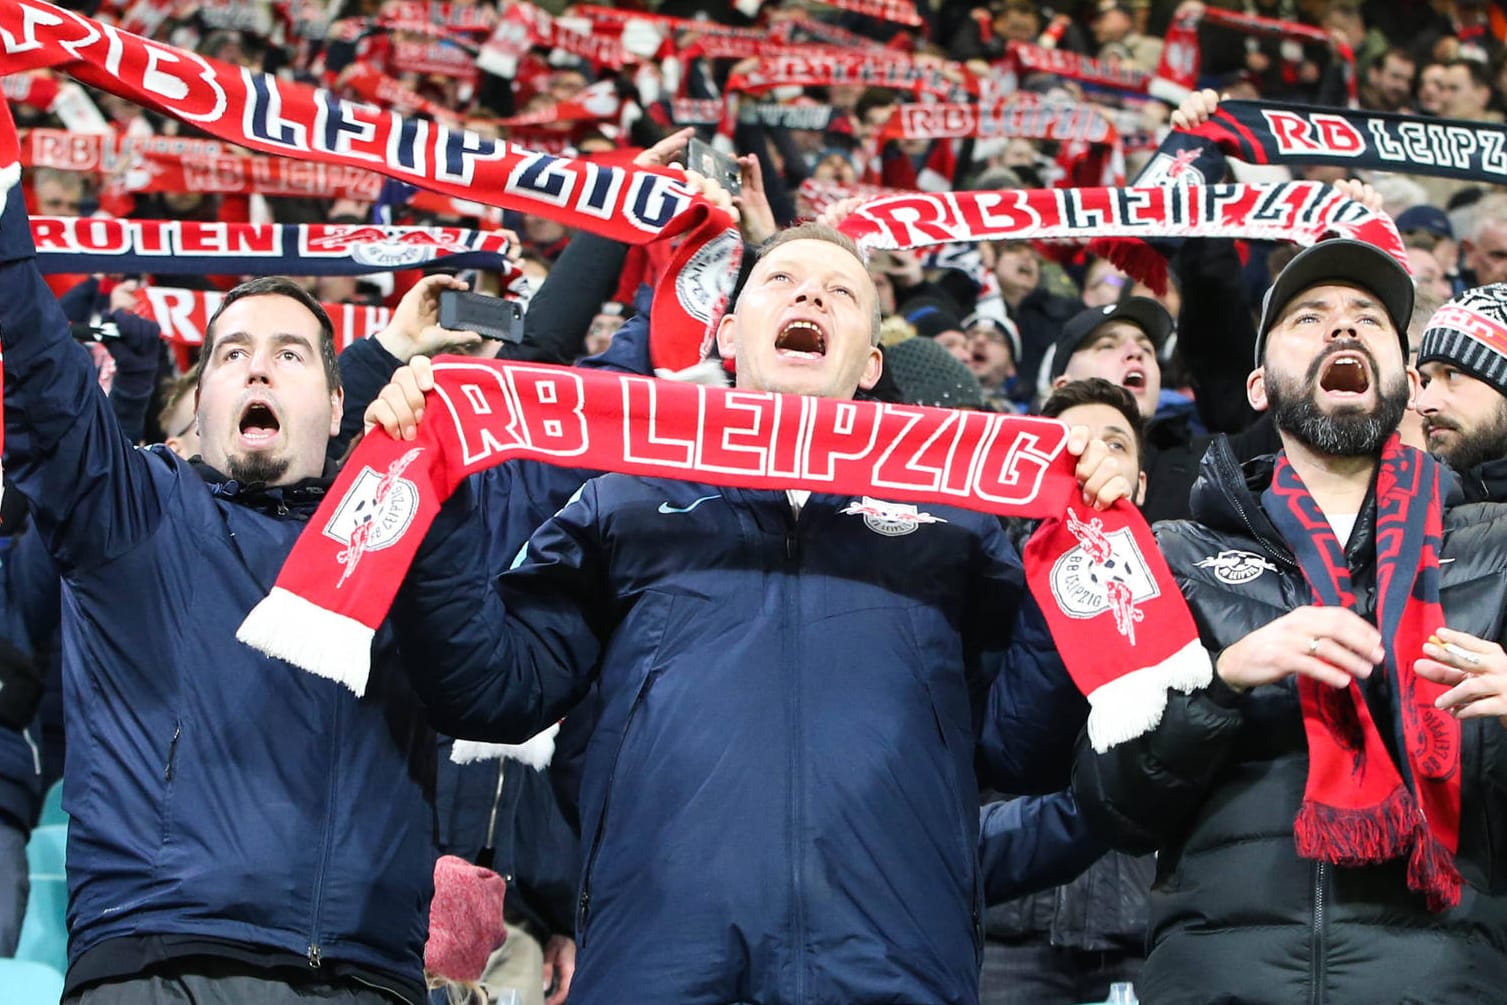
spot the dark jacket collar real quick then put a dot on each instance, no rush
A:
(299, 499)
(1227, 497)
(1485, 482)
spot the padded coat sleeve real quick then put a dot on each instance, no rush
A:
(496, 671)
(1140, 795)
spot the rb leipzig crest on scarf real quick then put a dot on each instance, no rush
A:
(1105, 572)
(375, 512)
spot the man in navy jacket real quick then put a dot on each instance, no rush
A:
(778, 802)
(233, 822)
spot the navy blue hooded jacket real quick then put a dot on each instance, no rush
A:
(778, 802)
(221, 802)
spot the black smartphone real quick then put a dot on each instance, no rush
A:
(704, 159)
(489, 317)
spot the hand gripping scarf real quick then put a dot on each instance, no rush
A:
(1357, 809)
(1119, 621)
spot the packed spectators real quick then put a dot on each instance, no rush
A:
(209, 307)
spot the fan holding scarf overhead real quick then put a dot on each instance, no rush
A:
(1318, 759)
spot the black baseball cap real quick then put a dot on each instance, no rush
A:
(1143, 312)
(1345, 262)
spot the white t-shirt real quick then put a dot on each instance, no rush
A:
(1342, 524)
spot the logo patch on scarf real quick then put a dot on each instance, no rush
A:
(890, 519)
(1173, 169)
(1106, 572)
(375, 512)
(1236, 567)
(708, 276)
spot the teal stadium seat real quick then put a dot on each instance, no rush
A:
(28, 983)
(44, 930)
(47, 850)
(52, 806)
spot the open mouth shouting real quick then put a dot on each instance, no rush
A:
(259, 424)
(801, 339)
(1345, 375)
(1134, 380)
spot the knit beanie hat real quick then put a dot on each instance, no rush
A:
(929, 375)
(1470, 333)
(465, 919)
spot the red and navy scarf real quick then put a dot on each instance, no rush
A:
(1269, 132)
(1357, 808)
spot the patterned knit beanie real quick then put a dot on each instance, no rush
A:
(1470, 334)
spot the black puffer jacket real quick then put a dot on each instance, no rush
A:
(1236, 915)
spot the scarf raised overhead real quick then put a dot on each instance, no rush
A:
(1357, 808)
(1119, 621)
(185, 247)
(1304, 212)
(264, 113)
(1269, 132)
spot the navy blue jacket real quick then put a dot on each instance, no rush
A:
(221, 801)
(778, 801)
(20, 753)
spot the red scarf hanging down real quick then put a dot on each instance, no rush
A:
(1116, 614)
(1357, 809)
(634, 205)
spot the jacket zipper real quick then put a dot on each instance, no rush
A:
(583, 907)
(488, 852)
(1281, 554)
(314, 952)
(172, 752)
(1316, 974)
(792, 621)
(36, 753)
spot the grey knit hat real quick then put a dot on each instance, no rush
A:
(929, 375)
(1470, 334)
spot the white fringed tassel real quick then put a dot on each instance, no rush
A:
(1131, 705)
(285, 626)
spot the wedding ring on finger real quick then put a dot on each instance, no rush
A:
(1313, 646)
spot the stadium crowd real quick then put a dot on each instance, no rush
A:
(631, 739)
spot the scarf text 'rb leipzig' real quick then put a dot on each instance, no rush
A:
(1115, 613)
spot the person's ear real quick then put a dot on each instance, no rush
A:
(873, 368)
(337, 410)
(1255, 389)
(727, 340)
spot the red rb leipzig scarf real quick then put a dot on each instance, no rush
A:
(1357, 809)
(1117, 617)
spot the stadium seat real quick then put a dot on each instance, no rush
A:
(52, 806)
(44, 930)
(47, 850)
(29, 983)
